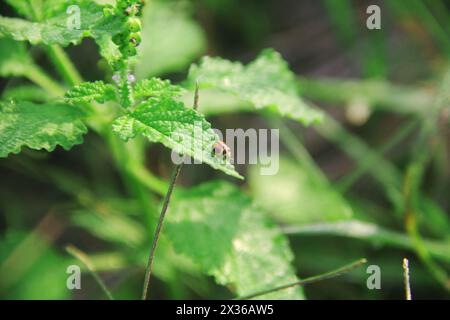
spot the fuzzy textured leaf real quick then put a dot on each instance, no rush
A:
(266, 82)
(220, 229)
(182, 129)
(39, 126)
(91, 91)
(156, 87)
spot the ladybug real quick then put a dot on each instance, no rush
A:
(221, 149)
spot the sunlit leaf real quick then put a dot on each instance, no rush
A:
(220, 229)
(266, 82)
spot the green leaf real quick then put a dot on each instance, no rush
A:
(91, 91)
(55, 30)
(171, 40)
(169, 122)
(295, 196)
(266, 82)
(39, 126)
(14, 59)
(219, 228)
(156, 87)
(38, 10)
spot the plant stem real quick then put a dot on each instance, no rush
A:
(381, 95)
(83, 258)
(406, 279)
(176, 172)
(64, 65)
(38, 76)
(325, 276)
(371, 233)
(148, 271)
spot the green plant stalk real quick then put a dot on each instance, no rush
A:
(370, 232)
(36, 75)
(325, 276)
(377, 94)
(64, 65)
(83, 258)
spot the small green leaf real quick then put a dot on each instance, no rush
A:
(266, 82)
(179, 128)
(179, 39)
(14, 59)
(91, 91)
(295, 196)
(219, 228)
(39, 126)
(156, 87)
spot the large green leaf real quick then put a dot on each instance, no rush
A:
(182, 129)
(55, 30)
(171, 40)
(266, 82)
(38, 10)
(295, 196)
(39, 126)
(221, 230)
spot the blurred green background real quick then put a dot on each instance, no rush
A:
(371, 181)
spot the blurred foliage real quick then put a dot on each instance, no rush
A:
(371, 180)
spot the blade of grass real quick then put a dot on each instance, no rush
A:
(362, 167)
(406, 279)
(369, 232)
(83, 258)
(325, 276)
